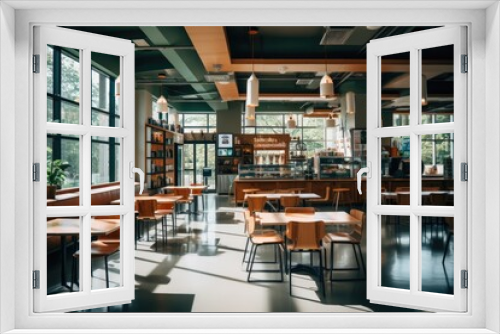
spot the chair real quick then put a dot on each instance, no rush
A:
(167, 209)
(451, 232)
(186, 198)
(402, 199)
(305, 236)
(261, 239)
(256, 204)
(97, 249)
(323, 200)
(289, 201)
(147, 213)
(352, 238)
(344, 192)
(247, 215)
(198, 192)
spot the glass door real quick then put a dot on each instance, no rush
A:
(199, 156)
(83, 156)
(417, 143)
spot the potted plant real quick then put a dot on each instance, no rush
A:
(55, 176)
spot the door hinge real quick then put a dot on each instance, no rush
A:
(36, 279)
(36, 172)
(36, 63)
(465, 64)
(464, 279)
(464, 171)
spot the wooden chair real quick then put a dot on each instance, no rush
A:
(309, 211)
(451, 232)
(262, 239)
(148, 213)
(249, 191)
(196, 193)
(348, 238)
(323, 200)
(186, 198)
(247, 215)
(344, 192)
(256, 204)
(167, 209)
(305, 236)
(289, 201)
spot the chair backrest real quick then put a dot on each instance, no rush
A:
(305, 235)
(300, 210)
(289, 201)
(198, 191)
(439, 199)
(327, 196)
(283, 191)
(359, 229)
(403, 199)
(147, 208)
(184, 192)
(165, 205)
(402, 189)
(256, 203)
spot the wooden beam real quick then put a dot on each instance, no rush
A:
(212, 48)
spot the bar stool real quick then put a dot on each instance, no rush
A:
(344, 192)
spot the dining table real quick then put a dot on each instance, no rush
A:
(329, 217)
(392, 195)
(70, 227)
(277, 196)
(200, 188)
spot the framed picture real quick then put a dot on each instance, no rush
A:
(225, 140)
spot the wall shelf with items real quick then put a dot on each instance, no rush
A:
(160, 157)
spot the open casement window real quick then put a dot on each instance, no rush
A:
(416, 198)
(84, 144)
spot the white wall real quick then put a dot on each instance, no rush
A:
(143, 110)
(7, 160)
(492, 162)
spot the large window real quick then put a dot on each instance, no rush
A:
(198, 122)
(63, 106)
(311, 131)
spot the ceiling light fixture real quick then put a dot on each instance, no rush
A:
(162, 103)
(252, 82)
(291, 123)
(250, 122)
(326, 83)
(350, 103)
(162, 76)
(424, 91)
(331, 121)
(249, 112)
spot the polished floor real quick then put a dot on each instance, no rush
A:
(200, 269)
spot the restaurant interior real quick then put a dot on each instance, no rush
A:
(250, 139)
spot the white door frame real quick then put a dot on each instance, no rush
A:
(479, 318)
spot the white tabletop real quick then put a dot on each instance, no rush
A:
(274, 196)
(330, 218)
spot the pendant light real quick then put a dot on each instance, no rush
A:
(249, 122)
(350, 102)
(326, 83)
(117, 86)
(291, 123)
(249, 112)
(331, 121)
(424, 90)
(252, 82)
(162, 103)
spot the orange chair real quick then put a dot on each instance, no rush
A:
(186, 199)
(305, 236)
(289, 201)
(323, 200)
(167, 209)
(256, 204)
(262, 239)
(148, 213)
(352, 238)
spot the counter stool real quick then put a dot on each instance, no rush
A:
(344, 192)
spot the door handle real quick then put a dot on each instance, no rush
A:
(132, 171)
(360, 173)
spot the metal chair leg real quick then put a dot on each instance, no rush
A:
(107, 271)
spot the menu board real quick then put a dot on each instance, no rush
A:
(225, 140)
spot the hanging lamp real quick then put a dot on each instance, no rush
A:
(250, 122)
(249, 112)
(162, 103)
(326, 83)
(331, 121)
(252, 82)
(350, 103)
(291, 123)
(424, 90)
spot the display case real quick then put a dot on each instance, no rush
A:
(287, 171)
(339, 167)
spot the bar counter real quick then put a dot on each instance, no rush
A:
(318, 186)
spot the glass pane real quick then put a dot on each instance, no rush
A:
(106, 261)
(105, 171)
(70, 113)
(437, 254)
(105, 89)
(50, 69)
(63, 235)
(212, 120)
(211, 165)
(195, 120)
(269, 130)
(63, 165)
(314, 121)
(395, 252)
(269, 120)
(437, 169)
(200, 162)
(395, 89)
(395, 161)
(70, 74)
(437, 85)
(50, 109)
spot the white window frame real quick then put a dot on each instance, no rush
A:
(484, 46)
